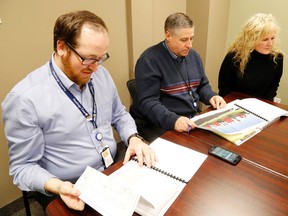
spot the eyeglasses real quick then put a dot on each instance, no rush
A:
(89, 61)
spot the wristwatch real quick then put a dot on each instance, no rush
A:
(135, 135)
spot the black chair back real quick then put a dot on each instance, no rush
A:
(134, 110)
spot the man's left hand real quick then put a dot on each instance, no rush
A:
(142, 151)
(217, 102)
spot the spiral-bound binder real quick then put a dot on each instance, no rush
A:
(160, 185)
(147, 191)
(240, 120)
(261, 109)
(163, 172)
(247, 110)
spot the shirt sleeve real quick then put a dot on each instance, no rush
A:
(25, 142)
(121, 120)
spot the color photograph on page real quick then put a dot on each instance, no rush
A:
(231, 122)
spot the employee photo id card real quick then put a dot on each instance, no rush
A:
(106, 156)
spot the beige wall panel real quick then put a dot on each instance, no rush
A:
(216, 40)
(198, 11)
(148, 17)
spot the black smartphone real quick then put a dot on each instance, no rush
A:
(225, 155)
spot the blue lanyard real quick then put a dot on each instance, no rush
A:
(74, 99)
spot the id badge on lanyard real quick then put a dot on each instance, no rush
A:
(107, 158)
(106, 155)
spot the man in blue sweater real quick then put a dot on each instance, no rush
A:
(171, 80)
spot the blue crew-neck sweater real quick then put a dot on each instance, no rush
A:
(163, 85)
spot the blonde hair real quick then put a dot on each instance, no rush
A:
(254, 31)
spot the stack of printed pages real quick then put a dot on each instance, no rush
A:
(147, 191)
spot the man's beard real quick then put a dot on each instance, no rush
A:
(71, 74)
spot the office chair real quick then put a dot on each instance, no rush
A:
(134, 111)
(145, 128)
(26, 197)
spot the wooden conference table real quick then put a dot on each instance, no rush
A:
(258, 185)
(268, 149)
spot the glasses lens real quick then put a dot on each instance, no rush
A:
(88, 61)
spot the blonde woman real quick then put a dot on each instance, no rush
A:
(253, 64)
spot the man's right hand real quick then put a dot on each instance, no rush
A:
(67, 192)
(184, 124)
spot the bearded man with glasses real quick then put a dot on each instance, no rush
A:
(59, 119)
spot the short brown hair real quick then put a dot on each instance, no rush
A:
(68, 26)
